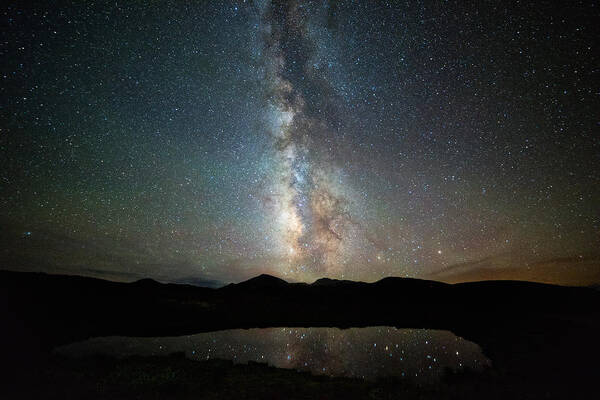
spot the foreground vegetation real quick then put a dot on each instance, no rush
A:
(175, 377)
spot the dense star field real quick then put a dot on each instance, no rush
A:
(214, 141)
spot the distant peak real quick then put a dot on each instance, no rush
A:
(262, 281)
(335, 282)
(325, 281)
(266, 277)
(398, 280)
(394, 279)
(146, 282)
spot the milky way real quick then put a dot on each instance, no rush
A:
(308, 199)
(209, 142)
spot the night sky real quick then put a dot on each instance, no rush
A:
(214, 141)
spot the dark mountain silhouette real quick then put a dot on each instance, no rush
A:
(328, 282)
(260, 282)
(532, 330)
(147, 283)
(194, 281)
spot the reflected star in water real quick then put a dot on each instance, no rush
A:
(421, 355)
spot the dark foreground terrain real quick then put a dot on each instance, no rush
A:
(542, 339)
(175, 377)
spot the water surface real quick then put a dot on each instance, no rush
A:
(420, 355)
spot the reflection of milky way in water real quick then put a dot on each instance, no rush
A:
(418, 354)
